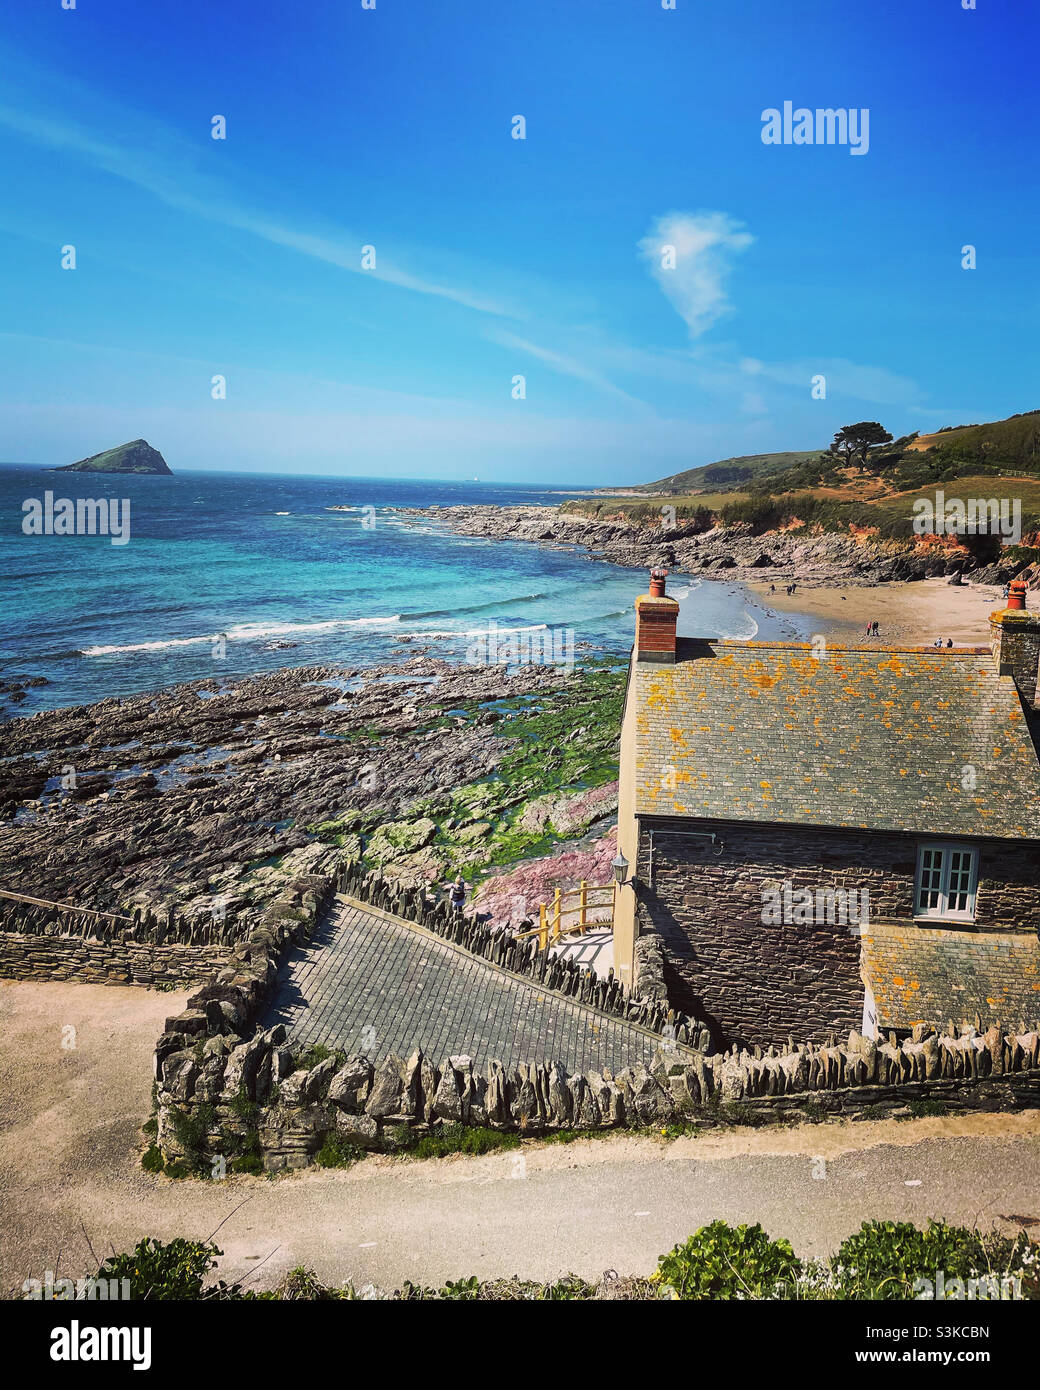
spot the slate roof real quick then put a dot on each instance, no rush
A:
(369, 982)
(921, 974)
(869, 737)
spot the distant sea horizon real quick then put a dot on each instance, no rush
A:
(262, 561)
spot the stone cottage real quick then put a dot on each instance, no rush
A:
(833, 837)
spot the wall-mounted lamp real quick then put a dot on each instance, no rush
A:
(620, 867)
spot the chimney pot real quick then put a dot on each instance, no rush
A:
(1015, 643)
(656, 617)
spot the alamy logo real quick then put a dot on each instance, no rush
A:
(978, 516)
(84, 516)
(50, 1289)
(843, 125)
(785, 905)
(525, 646)
(79, 1343)
(983, 1287)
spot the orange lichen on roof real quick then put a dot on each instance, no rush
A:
(859, 714)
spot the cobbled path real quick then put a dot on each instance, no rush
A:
(374, 984)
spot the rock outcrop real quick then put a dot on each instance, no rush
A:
(137, 456)
(739, 551)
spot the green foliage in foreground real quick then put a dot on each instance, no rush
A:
(883, 1260)
(165, 1271)
(722, 1261)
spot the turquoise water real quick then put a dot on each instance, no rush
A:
(261, 560)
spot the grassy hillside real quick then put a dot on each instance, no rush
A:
(726, 473)
(1013, 443)
(1008, 447)
(1000, 459)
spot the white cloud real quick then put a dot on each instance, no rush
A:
(702, 246)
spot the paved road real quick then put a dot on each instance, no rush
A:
(69, 1162)
(408, 988)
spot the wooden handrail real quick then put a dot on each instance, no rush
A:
(550, 922)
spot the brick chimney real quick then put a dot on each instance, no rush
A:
(1015, 642)
(656, 616)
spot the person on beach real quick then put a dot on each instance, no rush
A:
(457, 893)
(876, 626)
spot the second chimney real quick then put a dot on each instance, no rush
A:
(1015, 642)
(656, 617)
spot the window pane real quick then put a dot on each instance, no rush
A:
(930, 888)
(960, 880)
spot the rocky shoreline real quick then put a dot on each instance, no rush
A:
(207, 797)
(811, 559)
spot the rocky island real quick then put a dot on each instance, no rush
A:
(137, 456)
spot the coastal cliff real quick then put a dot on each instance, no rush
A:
(807, 554)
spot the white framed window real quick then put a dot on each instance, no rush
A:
(947, 876)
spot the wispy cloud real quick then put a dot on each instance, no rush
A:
(164, 167)
(690, 255)
(844, 379)
(562, 362)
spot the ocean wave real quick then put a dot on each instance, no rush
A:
(467, 632)
(745, 635)
(147, 646)
(242, 632)
(476, 607)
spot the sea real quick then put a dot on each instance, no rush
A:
(229, 574)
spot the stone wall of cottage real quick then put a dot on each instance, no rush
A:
(760, 984)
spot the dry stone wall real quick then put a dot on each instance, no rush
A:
(156, 949)
(372, 1105)
(107, 962)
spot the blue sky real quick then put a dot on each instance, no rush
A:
(498, 257)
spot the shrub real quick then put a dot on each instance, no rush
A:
(152, 1160)
(161, 1271)
(463, 1139)
(192, 1132)
(884, 1259)
(721, 1261)
(337, 1152)
(316, 1053)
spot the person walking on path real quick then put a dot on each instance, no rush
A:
(457, 893)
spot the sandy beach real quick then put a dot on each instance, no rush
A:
(909, 614)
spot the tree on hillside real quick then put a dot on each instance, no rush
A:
(858, 440)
